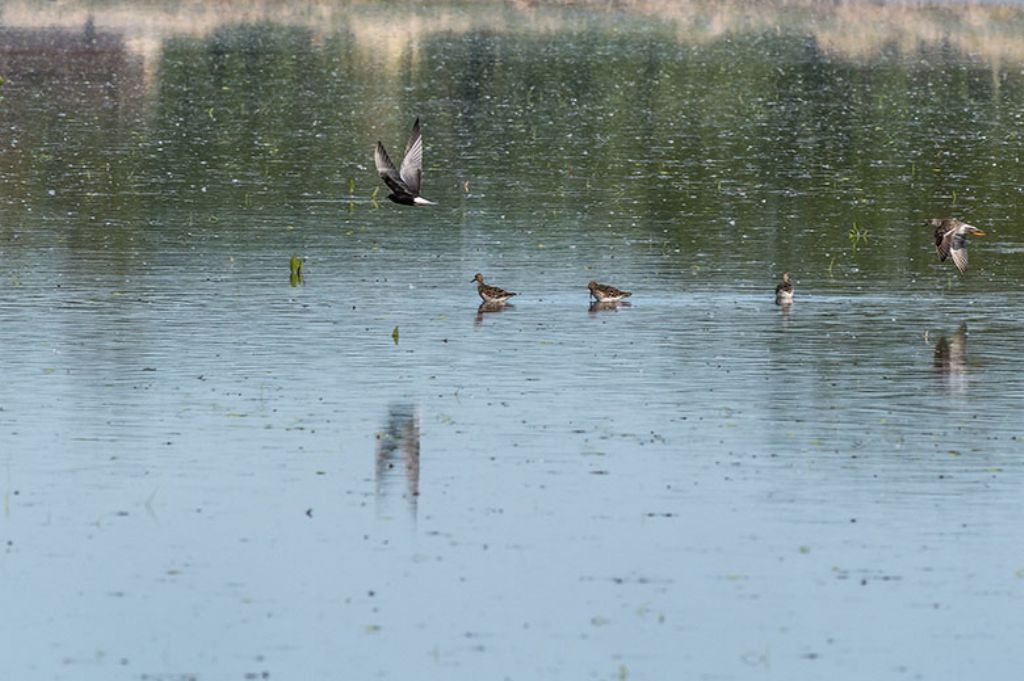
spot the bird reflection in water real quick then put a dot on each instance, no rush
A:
(397, 455)
(488, 308)
(786, 309)
(607, 305)
(951, 357)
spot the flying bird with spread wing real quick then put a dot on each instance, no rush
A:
(951, 239)
(404, 182)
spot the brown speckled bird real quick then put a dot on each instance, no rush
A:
(951, 240)
(491, 294)
(607, 294)
(784, 291)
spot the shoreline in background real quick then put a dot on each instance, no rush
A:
(846, 30)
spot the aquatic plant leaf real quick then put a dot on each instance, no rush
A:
(394, 335)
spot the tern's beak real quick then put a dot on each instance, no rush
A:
(978, 232)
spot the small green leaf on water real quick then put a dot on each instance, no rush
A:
(394, 335)
(351, 186)
(856, 235)
(295, 278)
(805, 549)
(623, 672)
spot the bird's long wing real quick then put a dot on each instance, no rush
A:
(412, 164)
(387, 171)
(958, 249)
(944, 241)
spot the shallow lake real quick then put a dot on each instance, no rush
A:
(212, 471)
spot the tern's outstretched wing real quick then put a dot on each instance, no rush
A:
(387, 171)
(412, 164)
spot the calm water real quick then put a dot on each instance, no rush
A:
(208, 473)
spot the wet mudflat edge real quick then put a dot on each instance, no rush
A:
(211, 469)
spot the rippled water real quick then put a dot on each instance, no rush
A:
(210, 473)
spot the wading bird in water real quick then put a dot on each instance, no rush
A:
(607, 294)
(491, 294)
(951, 240)
(404, 182)
(784, 291)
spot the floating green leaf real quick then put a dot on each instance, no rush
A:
(296, 271)
(856, 235)
(394, 335)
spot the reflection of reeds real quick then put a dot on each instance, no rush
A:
(394, 34)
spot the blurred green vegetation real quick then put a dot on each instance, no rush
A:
(754, 146)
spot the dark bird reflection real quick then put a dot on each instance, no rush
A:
(951, 356)
(607, 305)
(488, 308)
(397, 455)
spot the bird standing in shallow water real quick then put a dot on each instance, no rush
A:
(607, 294)
(404, 183)
(784, 291)
(951, 239)
(491, 294)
